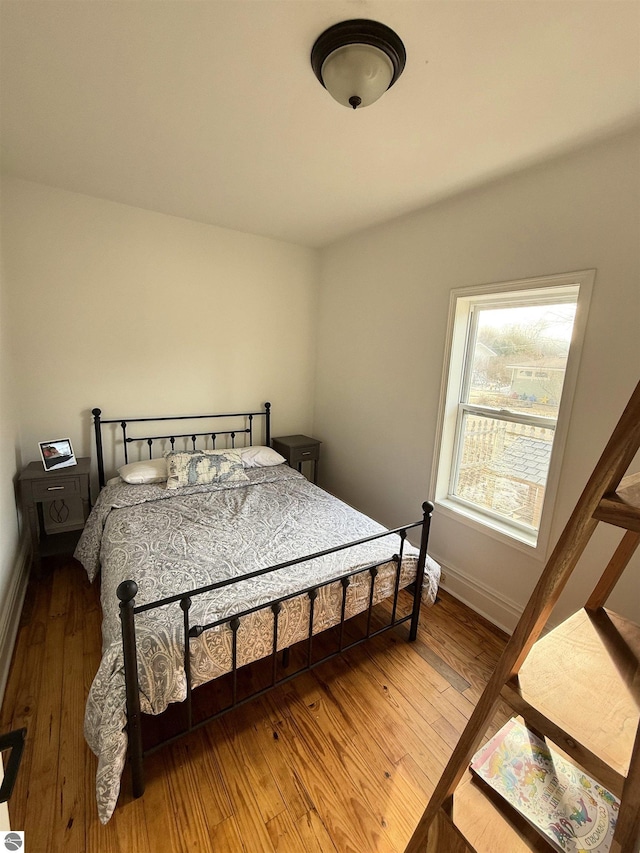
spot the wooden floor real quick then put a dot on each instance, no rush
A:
(341, 760)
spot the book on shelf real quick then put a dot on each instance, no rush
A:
(572, 811)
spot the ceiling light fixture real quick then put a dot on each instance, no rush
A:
(357, 61)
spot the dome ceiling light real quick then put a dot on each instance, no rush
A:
(357, 61)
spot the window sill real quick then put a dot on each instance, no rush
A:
(529, 543)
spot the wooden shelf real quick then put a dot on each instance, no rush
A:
(622, 507)
(482, 825)
(579, 686)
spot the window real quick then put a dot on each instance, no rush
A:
(513, 357)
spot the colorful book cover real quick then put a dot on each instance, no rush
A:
(574, 812)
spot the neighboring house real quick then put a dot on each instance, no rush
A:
(526, 463)
(538, 379)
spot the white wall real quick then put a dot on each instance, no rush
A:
(141, 313)
(382, 322)
(13, 568)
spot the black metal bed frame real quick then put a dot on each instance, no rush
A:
(128, 589)
(99, 422)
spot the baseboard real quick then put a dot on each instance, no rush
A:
(497, 608)
(12, 610)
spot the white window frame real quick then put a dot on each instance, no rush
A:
(461, 303)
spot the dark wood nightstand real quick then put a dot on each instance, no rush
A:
(40, 489)
(297, 449)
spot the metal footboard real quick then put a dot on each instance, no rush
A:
(127, 592)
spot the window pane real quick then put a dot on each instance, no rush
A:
(503, 467)
(518, 357)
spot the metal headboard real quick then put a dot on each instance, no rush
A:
(248, 417)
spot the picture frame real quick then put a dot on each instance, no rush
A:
(57, 453)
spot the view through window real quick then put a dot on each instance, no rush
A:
(515, 366)
(513, 352)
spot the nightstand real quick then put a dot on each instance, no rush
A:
(40, 489)
(297, 449)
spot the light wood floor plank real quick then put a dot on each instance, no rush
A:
(387, 715)
(251, 762)
(69, 823)
(190, 810)
(313, 834)
(284, 835)
(291, 788)
(42, 784)
(340, 760)
(243, 796)
(225, 836)
(340, 807)
(382, 785)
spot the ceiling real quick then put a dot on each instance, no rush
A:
(210, 110)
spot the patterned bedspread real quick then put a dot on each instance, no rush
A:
(172, 541)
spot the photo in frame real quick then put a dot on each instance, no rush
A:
(56, 454)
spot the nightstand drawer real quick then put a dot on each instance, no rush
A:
(304, 454)
(53, 488)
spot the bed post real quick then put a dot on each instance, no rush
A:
(96, 423)
(427, 509)
(267, 428)
(126, 592)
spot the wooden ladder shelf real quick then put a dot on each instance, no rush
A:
(592, 713)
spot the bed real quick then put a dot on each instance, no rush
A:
(224, 572)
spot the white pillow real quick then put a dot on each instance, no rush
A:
(147, 471)
(260, 457)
